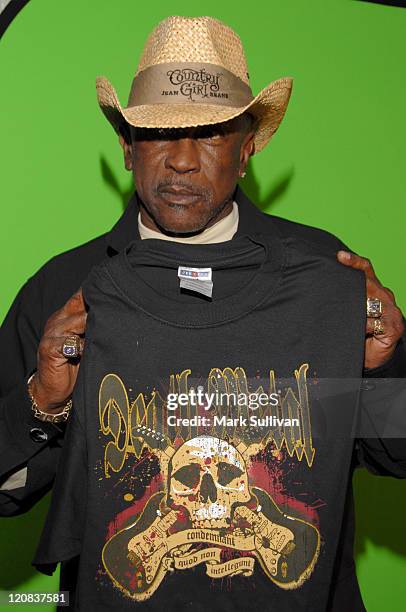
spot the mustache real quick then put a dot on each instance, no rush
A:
(183, 184)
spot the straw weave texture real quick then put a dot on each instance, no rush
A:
(196, 39)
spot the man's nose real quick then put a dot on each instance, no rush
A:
(182, 156)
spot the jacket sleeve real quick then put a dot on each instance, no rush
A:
(395, 367)
(62, 536)
(381, 445)
(375, 450)
(29, 448)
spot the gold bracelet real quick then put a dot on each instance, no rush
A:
(44, 416)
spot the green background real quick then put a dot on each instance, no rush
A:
(337, 162)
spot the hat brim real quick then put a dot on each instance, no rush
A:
(268, 108)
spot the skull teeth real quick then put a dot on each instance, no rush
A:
(211, 524)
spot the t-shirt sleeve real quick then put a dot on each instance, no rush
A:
(62, 535)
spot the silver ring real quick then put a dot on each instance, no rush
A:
(374, 308)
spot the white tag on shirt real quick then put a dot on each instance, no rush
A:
(196, 279)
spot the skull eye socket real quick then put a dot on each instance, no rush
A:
(188, 475)
(226, 472)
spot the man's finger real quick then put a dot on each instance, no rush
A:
(391, 294)
(74, 304)
(358, 263)
(385, 323)
(63, 326)
(376, 290)
(52, 346)
(392, 323)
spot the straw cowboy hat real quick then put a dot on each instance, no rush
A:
(193, 72)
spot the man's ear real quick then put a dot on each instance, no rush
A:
(247, 149)
(124, 139)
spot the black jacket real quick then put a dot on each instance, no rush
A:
(25, 441)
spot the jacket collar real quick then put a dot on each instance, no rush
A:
(251, 220)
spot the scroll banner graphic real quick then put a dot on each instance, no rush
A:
(214, 567)
(236, 541)
(170, 555)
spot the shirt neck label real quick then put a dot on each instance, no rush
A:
(196, 279)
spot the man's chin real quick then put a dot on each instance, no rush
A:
(180, 220)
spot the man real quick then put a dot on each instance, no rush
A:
(187, 134)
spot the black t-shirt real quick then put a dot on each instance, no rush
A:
(208, 455)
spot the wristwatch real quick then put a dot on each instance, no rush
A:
(44, 416)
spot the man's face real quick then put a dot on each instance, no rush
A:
(186, 178)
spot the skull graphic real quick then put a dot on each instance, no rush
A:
(207, 477)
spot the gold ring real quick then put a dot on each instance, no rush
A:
(71, 347)
(374, 308)
(378, 328)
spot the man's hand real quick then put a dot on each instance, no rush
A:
(56, 375)
(378, 349)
